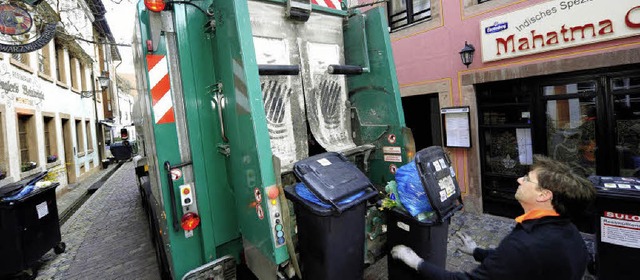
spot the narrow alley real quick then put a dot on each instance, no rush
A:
(107, 237)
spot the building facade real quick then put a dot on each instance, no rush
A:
(559, 78)
(51, 101)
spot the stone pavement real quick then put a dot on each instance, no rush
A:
(486, 230)
(108, 236)
(71, 197)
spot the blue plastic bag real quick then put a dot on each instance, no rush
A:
(24, 192)
(307, 195)
(410, 189)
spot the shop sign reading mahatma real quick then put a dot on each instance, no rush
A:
(25, 26)
(556, 25)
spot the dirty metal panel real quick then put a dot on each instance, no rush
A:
(283, 103)
(321, 44)
(275, 42)
(313, 45)
(326, 98)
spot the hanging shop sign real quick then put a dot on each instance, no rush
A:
(24, 27)
(557, 25)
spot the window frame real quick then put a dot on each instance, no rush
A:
(409, 15)
(61, 71)
(73, 73)
(89, 136)
(44, 61)
(83, 76)
(27, 118)
(22, 61)
(50, 136)
(81, 148)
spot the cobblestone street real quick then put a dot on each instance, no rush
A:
(486, 230)
(107, 238)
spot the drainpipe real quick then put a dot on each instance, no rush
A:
(95, 109)
(115, 69)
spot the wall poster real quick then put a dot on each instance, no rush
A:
(457, 132)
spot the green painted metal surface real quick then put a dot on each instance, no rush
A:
(215, 196)
(177, 245)
(249, 164)
(213, 193)
(226, 184)
(375, 95)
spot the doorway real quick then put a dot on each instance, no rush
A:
(69, 151)
(422, 116)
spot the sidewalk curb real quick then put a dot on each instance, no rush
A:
(93, 186)
(98, 183)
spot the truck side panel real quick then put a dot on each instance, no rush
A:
(249, 165)
(215, 195)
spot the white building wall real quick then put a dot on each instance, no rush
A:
(29, 92)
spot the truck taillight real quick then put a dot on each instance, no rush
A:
(154, 5)
(409, 143)
(190, 221)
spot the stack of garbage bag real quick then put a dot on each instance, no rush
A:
(23, 188)
(409, 191)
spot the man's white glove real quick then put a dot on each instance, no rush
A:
(468, 245)
(406, 255)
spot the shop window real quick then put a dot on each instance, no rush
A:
(627, 117)
(571, 133)
(406, 12)
(27, 142)
(627, 83)
(50, 136)
(87, 129)
(574, 88)
(79, 138)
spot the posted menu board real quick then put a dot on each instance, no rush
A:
(456, 123)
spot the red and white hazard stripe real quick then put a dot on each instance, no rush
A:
(333, 4)
(160, 89)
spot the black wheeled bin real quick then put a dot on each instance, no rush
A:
(428, 238)
(618, 233)
(331, 231)
(29, 227)
(121, 151)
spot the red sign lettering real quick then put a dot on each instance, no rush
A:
(620, 216)
(627, 18)
(565, 33)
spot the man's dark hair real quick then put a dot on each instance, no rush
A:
(571, 192)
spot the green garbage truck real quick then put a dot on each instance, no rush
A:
(231, 94)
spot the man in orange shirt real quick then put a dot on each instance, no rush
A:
(543, 245)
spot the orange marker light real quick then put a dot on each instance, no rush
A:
(273, 192)
(154, 5)
(186, 191)
(190, 221)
